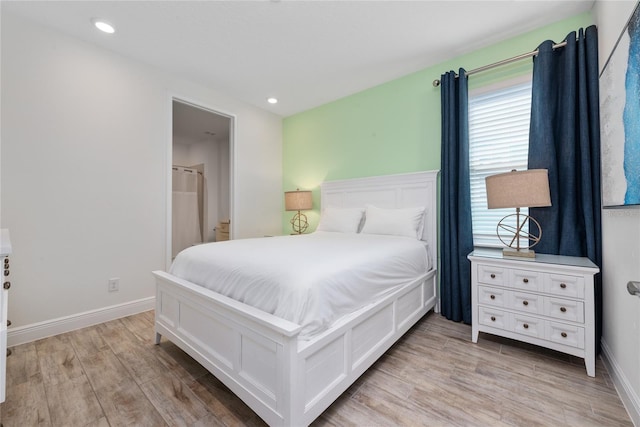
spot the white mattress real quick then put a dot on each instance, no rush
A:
(312, 279)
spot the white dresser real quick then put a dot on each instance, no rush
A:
(5, 251)
(547, 300)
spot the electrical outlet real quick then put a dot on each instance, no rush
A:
(114, 284)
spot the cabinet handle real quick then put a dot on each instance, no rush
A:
(564, 334)
(6, 272)
(563, 285)
(493, 276)
(525, 302)
(525, 280)
(6, 285)
(526, 326)
(492, 297)
(493, 318)
(563, 309)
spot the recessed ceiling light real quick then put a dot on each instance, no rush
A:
(103, 25)
(272, 100)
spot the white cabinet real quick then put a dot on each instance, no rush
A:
(5, 251)
(547, 300)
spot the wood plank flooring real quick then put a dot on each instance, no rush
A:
(113, 375)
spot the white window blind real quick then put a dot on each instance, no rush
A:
(498, 142)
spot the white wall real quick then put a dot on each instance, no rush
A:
(86, 140)
(621, 251)
(181, 154)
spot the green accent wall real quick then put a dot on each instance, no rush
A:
(393, 127)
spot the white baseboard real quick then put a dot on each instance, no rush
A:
(36, 331)
(627, 394)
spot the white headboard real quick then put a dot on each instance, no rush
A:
(389, 191)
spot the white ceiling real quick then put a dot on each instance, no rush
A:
(192, 124)
(306, 53)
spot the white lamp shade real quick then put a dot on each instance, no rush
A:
(517, 189)
(297, 200)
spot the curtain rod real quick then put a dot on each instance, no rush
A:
(186, 169)
(436, 82)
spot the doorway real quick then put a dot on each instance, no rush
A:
(201, 175)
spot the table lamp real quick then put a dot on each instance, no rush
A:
(298, 201)
(516, 189)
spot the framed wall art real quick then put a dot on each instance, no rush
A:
(620, 119)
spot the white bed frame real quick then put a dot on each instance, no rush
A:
(286, 381)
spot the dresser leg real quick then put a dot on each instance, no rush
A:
(474, 334)
(158, 338)
(590, 364)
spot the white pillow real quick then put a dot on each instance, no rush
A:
(397, 222)
(342, 220)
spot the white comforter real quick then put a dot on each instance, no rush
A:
(311, 280)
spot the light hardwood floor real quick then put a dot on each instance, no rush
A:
(113, 375)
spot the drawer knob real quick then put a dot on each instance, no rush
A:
(6, 272)
(525, 280)
(526, 326)
(6, 285)
(563, 285)
(564, 334)
(492, 297)
(493, 318)
(8, 322)
(563, 309)
(9, 352)
(493, 276)
(525, 302)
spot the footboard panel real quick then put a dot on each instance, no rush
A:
(206, 332)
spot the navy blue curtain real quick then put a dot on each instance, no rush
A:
(565, 139)
(456, 236)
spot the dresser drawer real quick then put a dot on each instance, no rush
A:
(560, 333)
(527, 325)
(4, 299)
(492, 296)
(3, 363)
(564, 309)
(494, 318)
(526, 302)
(526, 280)
(491, 275)
(565, 286)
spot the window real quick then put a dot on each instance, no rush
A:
(498, 142)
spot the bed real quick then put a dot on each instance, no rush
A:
(287, 373)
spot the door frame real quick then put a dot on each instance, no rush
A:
(169, 163)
